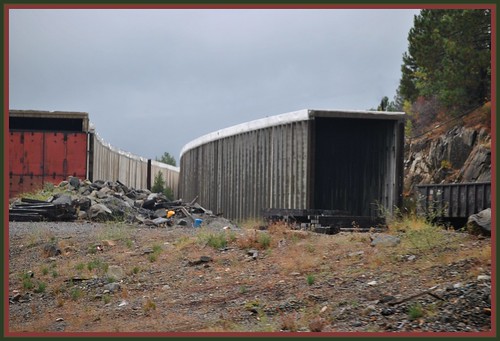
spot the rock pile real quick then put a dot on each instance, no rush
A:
(107, 201)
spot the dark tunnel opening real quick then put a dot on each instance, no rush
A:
(352, 164)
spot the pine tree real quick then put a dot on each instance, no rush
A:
(449, 57)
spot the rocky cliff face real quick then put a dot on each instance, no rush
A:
(462, 154)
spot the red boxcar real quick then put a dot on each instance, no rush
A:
(46, 147)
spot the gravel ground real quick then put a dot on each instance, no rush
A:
(233, 290)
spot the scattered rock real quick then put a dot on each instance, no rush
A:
(63, 200)
(382, 239)
(108, 200)
(253, 253)
(51, 250)
(354, 254)
(115, 272)
(99, 212)
(203, 259)
(411, 258)
(387, 311)
(480, 223)
(108, 243)
(112, 287)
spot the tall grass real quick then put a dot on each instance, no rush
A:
(216, 240)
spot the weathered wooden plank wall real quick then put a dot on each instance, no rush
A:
(239, 175)
(110, 163)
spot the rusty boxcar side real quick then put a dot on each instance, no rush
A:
(46, 147)
(49, 146)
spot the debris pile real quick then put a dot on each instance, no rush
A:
(107, 201)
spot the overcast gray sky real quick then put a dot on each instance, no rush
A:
(153, 80)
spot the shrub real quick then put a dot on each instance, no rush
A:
(216, 240)
(106, 298)
(426, 239)
(41, 287)
(27, 281)
(415, 311)
(254, 239)
(153, 257)
(264, 240)
(149, 305)
(97, 264)
(445, 164)
(157, 248)
(76, 293)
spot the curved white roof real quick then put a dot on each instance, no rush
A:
(295, 116)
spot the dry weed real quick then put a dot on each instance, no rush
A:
(296, 258)
(289, 321)
(253, 224)
(317, 324)
(254, 239)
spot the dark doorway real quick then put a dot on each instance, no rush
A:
(353, 159)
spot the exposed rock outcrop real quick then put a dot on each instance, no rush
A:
(462, 154)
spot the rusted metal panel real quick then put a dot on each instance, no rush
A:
(54, 160)
(458, 200)
(26, 153)
(76, 154)
(65, 154)
(39, 157)
(19, 184)
(45, 147)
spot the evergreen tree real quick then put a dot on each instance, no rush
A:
(159, 186)
(449, 56)
(168, 159)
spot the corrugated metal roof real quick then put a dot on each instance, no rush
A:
(295, 116)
